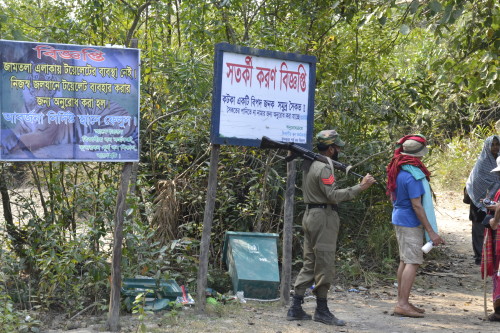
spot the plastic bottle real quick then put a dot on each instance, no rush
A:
(427, 247)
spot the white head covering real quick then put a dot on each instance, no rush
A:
(482, 183)
(498, 165)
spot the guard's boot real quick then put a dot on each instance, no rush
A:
(323, 314)
(296, 312)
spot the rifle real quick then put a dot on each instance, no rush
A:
(306, 154)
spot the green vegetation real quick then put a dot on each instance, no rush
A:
(385, 69)
(454, 159)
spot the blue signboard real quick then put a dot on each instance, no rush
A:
(262, 93)
(68, 102)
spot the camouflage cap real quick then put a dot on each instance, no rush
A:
(329, 137)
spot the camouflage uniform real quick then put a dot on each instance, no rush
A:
(321, 225)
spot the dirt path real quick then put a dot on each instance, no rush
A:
(450, 290)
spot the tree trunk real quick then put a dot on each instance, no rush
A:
(14, 233)
(207, 229)
(116, 278)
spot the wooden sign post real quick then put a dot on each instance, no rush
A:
(257, 93)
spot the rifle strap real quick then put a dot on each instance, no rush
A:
(330, 163)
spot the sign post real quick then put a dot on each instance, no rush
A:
(62, 102)
(256, 93)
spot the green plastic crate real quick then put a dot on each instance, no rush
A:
(252, 261)
(162, 292)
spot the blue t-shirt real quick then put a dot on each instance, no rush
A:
(407, 188)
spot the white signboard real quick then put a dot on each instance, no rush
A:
(262, 93)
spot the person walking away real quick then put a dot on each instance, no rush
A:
(321, 226)
(482, 184)
(407, 185)
(491, 250)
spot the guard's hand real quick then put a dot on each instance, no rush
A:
(367, 181)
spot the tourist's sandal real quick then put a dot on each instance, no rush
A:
(416, 308)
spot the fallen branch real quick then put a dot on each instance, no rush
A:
(82, 311)
(444, 274)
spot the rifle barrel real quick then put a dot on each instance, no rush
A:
(298, 151)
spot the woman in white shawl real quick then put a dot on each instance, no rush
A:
(482, 184)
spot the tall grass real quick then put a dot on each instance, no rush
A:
(452, 162)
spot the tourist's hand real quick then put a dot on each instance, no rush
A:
(488, 203)
(491, 207)
(493, 225)
(436, 239)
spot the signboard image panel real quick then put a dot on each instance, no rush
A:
(63, 102)
(262, 93)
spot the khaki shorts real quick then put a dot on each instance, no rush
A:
(410, 241)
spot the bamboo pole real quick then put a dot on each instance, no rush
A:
(485, 273)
